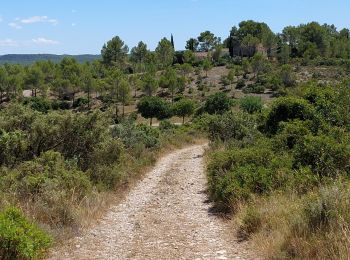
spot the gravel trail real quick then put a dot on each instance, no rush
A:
(165, 216)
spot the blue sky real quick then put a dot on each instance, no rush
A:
(82, 26)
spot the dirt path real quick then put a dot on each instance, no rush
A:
(166, 216)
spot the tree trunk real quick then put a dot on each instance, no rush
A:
(123, 108)
(150, 122)
(183, 119)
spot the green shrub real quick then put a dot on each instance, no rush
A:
(132, 134)
(287, 109)
(39, 104)
(251, 104)
(165, 125)
(20, 239)
(217, 103)
(291, 133)
(13, 148)
(240, 84)
(254, 88)
(324, 155)
(82, 101)
(230, 126)
(63, 105)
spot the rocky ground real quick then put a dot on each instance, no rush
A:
(166, 216)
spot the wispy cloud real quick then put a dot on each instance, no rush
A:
(15, 25)
(74, 24)
(18, 22)
(39, 19)
(8, 43)
(44, 41)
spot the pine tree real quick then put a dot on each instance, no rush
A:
(172, 41)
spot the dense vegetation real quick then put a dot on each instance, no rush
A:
(275, 107)
(284, 172)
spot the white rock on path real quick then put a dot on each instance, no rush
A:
(165, 216)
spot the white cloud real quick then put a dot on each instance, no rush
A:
(8, 43)
(15, 25)
(39, 19)
(44, 41)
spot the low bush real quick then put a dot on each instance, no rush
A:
(251, 104)
(38, 103)
(19, 238)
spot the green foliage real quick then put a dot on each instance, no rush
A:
(217, 103)
(165, 53)
(114, 52)
(183, 108)
(13, 147)
(230, 126)
(251, 104)
(19, 238)
(207, 41)
(286, 109)
(154, 107)
(324, 155)
(287, 76)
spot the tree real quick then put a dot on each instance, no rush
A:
(114, 52)
(34, 79)
(165, 53)
(186, 69)
(3, 82)
(150, 84)
(259, 64)
(217, 103)
(70, 73)
(138, 54)
(189, 57)
(192, 45)
(207, 66)
(135, 83)
(153, 107)
(114, 79)
(250, 42)
(287, 76)
(231, 76)
(172, 82)
(183, 108)
(124, 93)
(217, 52)
(88, 81)
(208, 41)
(283, 52)
(172, 41)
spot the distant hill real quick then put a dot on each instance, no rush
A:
(31, 58)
